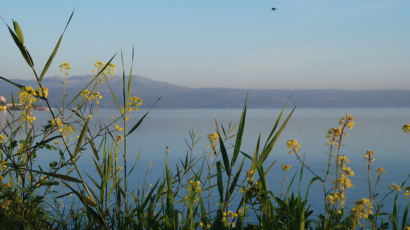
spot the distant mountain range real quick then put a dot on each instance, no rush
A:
(175, 96)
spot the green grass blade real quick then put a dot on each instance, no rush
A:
(219, 181)
(290, 184)
(22, 48)
(18, 31)
(239, 135)
(80, 139)
(142, 118)
(224, 155)
(50, 59)
(236, 178)
(11, 82)
(269, 147)
(275, 126)
(404, 218)
(170, 196)
(56, 175)
(53, 54)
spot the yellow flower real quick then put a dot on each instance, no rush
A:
(406, 128)
(343, 159)
(64, 66)
(407, 192)
(362, 209)
(2, 139)
(90, 96)
(395, 187)
(293, 145)
(134, 103)
(42, 92)
(118, 139)
(380, 171)
(106, 70)
(369, 156)
(213, 139)
(331, 198)
(285, 167)
(118, 128)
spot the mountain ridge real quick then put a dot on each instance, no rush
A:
(176, 96)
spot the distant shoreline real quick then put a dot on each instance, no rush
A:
(20, 107)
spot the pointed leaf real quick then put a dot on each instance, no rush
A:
(19, 32)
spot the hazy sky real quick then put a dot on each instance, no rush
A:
(346, 44)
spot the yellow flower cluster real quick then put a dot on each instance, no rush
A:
(27, 95)
(362, 209)
(342, 181)
(407, 192)
(65, 130)
(227, 215)
(64, 66)
(285, 167)
(406, 128)
(379, 171)
(213, 139)
(334, 197)
(3, 166)
(395, 187)
(2, 139)
(337, 133)
(42, 92)
(204, 226)
(87, 95)
(108, 71)
(118, 138)
(195, 185)
(293, 146)
(348, 121)
(27, 98)
(118, 128)
(250, 175)
(134, 103)
(369, 156)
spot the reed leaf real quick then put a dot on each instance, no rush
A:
(53, 54)
(267, 150)
(142, 119)
(239, 135)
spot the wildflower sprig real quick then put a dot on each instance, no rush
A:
(362, 209)
(293, 146)
(406, 128)
(105, 73)
(27, 97)
(87, 95)
(213, 140)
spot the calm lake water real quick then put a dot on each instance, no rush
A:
(376, 129)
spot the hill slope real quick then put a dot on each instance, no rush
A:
(174, 96)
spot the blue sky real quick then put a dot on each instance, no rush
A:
(310, 44)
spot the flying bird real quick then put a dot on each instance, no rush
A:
(274, 9)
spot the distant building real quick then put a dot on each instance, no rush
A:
(3, 101)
